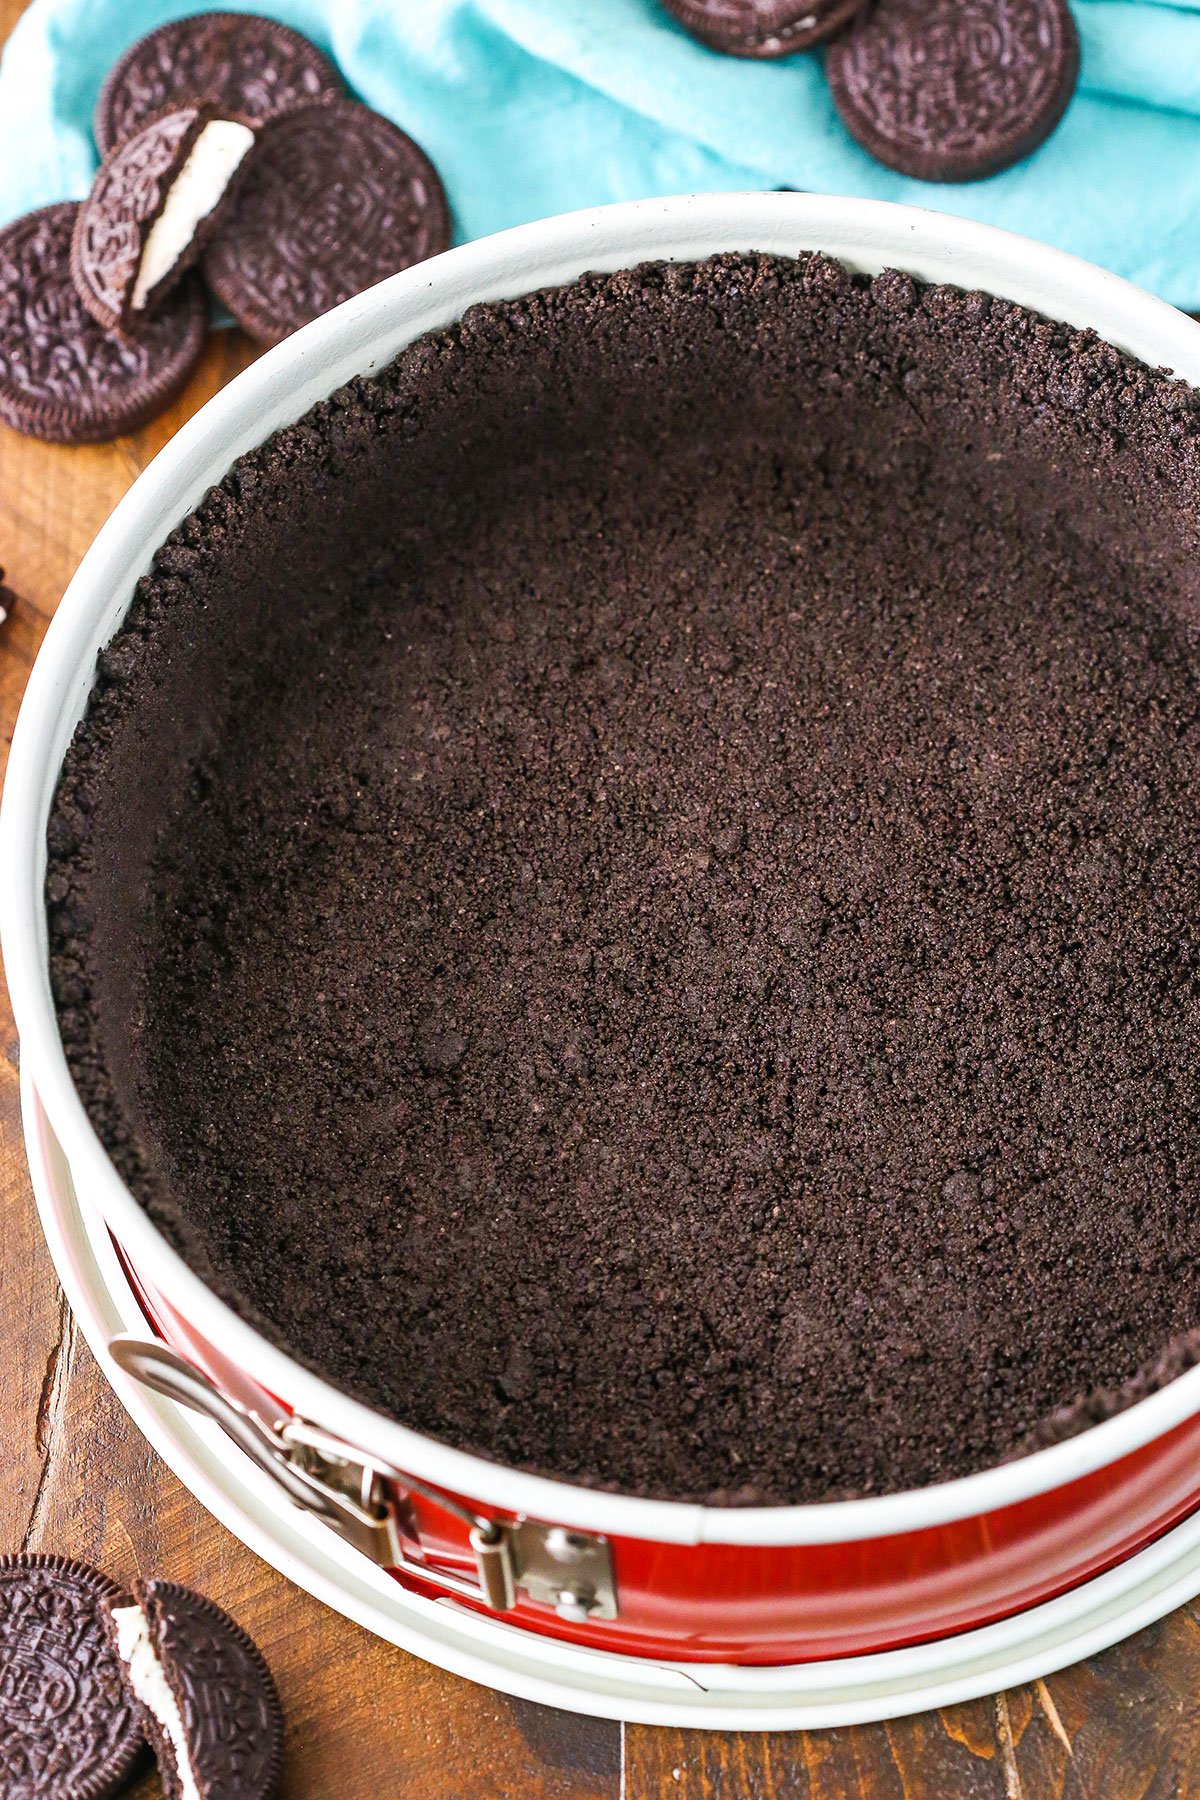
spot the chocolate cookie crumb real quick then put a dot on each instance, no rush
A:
(753, 711)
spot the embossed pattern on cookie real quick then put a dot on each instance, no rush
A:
(335, 198)
(62, 375)
(212, 1708)
(153, 206)
(245, 65)
(67, 1725)
(953, 90)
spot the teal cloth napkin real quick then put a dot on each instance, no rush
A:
(532, 107)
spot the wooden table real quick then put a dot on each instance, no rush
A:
(365, 1721)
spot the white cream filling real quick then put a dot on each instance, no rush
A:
(196, 189)
(152, 1688)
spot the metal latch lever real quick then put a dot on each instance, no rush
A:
(569, 1570)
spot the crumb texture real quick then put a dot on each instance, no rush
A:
(630, 888)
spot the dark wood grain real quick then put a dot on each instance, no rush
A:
(364, 1720)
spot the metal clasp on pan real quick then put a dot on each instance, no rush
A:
(319, 1472)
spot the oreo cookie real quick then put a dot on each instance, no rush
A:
(763, 28)
(953, 90)
(154, 203)
(334, 199)
(62, 375)
(247, 67)
(67, 1724)
(209, 1700)
(8, 599)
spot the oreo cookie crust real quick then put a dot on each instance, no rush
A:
(67, 1726)
(653, 849)
(335, 199)
(954, 90)
(155, 202)
(209, 1699)
(763, 28)
(62, 375)
(246, 66)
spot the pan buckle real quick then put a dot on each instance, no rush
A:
(552, 1565)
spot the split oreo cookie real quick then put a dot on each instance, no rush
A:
(155, 202)
(62, 375)
(67, 1724)
(334, 199)
(953, 90)
(763, 28)
(209, 1700)
(247, 67)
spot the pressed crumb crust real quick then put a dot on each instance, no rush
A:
(630, 886)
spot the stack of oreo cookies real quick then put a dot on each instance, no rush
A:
(941, 90)
(232, 160)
